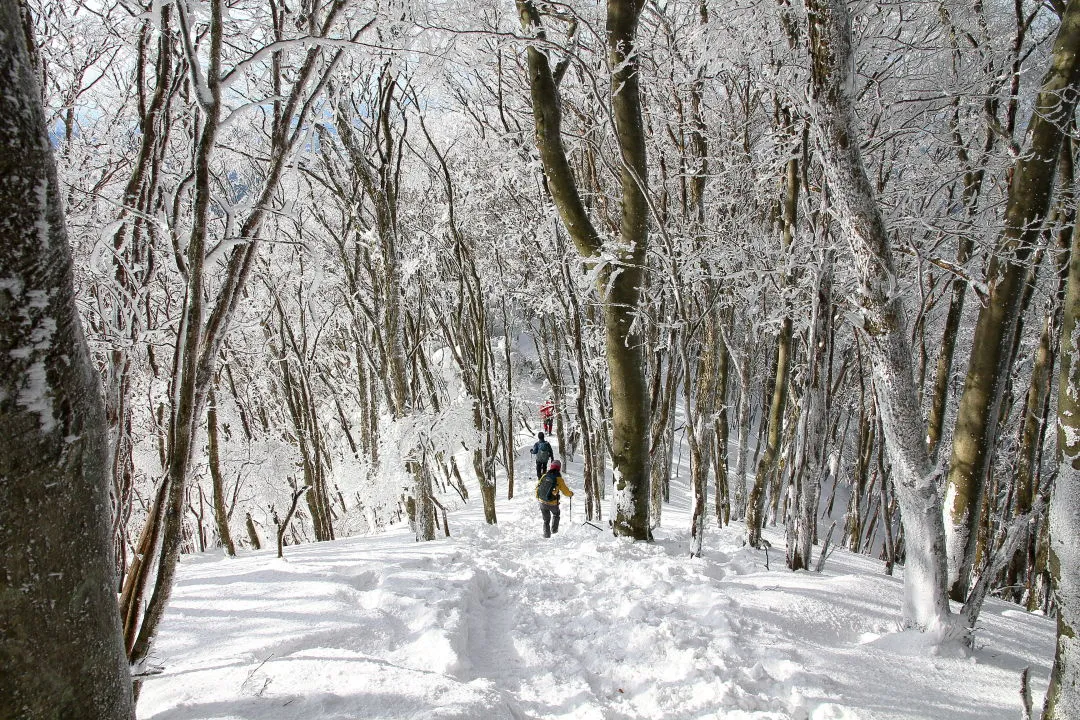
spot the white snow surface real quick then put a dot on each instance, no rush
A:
(497, 623)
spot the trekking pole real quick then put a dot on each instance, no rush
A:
(592, 525)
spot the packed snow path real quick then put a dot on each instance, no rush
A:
(498, 623)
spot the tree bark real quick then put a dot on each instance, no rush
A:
(221, 515)
(743, 423)
(60, 641)
(1029, 198)
(621, 278)
(700, 394)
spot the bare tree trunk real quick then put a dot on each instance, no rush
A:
(990, 363)
(720, 438)
(221, 515)
(283, 525)
(60, 636)
(768, 466)
(665, 388)
(253, 534)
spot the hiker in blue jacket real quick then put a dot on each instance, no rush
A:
(548, 488)
(541, 451)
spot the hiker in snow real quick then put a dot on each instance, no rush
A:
(548, 488)
(547, 414)
(541, 449)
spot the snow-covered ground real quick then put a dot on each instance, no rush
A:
(498, 623)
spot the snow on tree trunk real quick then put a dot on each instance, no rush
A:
(60, 640)
(811, 464)
(884, 323)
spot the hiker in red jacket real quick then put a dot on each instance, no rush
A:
(547, 414)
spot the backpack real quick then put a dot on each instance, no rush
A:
(543, 451)
(545, 489)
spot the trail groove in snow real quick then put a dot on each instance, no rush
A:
(491, 651)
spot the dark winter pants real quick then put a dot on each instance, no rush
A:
(541, 468)
(551, 518)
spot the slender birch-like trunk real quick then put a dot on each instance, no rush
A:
(811, 463)
(768, 468)
(221, 517)
(700, 394)
(743, 423)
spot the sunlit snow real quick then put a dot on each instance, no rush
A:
(497, 623)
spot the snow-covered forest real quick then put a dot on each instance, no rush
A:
(293, 278)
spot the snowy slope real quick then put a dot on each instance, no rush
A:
(496, 622)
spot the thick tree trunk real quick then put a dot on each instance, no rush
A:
(624, 340)
(884, 322)
(1030, 193)
(60, 642)
(621, 281)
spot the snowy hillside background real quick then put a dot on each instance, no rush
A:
(495, 622)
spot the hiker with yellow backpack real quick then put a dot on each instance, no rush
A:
(549, 487)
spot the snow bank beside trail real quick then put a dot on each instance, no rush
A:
(497, 623)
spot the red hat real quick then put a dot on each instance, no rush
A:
(556, 465)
